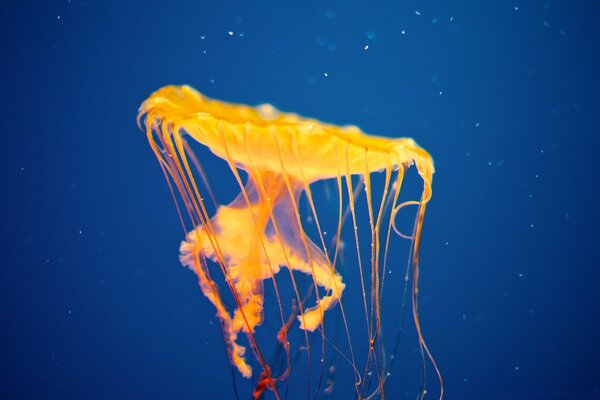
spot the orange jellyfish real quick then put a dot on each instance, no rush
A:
(277, 159)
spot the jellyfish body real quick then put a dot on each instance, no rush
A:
(261, 232)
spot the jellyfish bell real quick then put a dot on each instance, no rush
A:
(260, 233)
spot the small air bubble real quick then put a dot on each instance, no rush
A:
(516, 8)
(230, 33)
(521, 274)
(325, 74)
(418, 12)
(403, 32)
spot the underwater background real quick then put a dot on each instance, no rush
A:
(503, 94)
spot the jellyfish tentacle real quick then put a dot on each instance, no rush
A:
(190, 256)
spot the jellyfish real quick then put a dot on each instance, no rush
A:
(276, 159)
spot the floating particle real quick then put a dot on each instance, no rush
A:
(418, 12)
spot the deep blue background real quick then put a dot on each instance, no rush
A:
(504, 95)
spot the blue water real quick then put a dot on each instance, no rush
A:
(503, 94)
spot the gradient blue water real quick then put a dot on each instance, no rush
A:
(504, 94)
